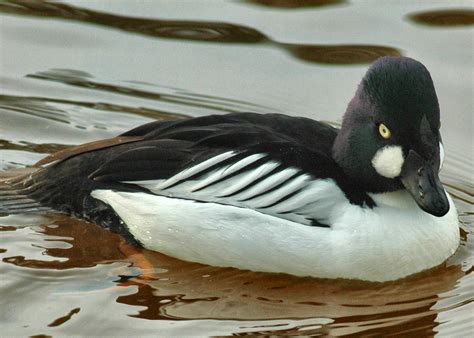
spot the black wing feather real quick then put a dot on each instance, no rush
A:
(154, 160)
(162, 149)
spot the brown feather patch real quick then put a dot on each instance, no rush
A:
(86, 147)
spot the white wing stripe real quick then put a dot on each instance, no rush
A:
(247, 178)
(266, 184)
(195, 169)
(320, 196)
(226, 171)
(243, 163)
(274, 196)
(297, 201)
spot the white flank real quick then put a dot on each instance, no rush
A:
(298, 199)
(387, 242)
(388, 161)
(266, 227)
(214, 186)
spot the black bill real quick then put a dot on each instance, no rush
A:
(421, 180)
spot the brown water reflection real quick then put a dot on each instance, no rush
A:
(289, 4)
(167, 288)
(174, 29)
(204, 31)
(89, 246)
(444, 17)
(62, 320)
(341, 54)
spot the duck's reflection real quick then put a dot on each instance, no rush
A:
(189, 291)
(167, 288)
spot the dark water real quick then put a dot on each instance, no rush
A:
(82, 70)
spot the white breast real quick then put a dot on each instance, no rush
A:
(388, 242)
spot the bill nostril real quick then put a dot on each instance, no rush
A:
(420, 191)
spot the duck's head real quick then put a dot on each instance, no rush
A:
(390, 139)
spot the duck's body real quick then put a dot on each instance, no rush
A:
(379, 244)
(263, 192)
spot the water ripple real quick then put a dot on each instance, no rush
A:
(292, 4)
(58, 110)
(444, 17)
(176, 96)
(204, 31)
(175, 29)
(341, 54)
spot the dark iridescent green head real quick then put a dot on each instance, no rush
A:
(402, 92)
(390, 134)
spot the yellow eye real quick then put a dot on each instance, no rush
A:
(384, 131)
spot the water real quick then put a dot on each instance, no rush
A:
(83, 70)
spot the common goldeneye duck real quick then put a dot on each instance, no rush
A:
(272, 192)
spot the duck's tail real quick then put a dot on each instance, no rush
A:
(16, 194)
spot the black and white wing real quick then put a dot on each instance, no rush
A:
(275, 164)
(269, 163)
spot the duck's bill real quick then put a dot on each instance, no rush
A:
(421, 180)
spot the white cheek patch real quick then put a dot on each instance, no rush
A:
(441, 156)
(388, 161)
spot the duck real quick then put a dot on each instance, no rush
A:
(271, 192)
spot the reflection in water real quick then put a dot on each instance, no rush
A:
(201, 31)
(167, 288)
(341, 54)
(64, 319)
(180, 97)
(296, 4)
(173, 29)
(444, 18)
(33, 106)
(88, 246)
(42, 148)
(55, 110)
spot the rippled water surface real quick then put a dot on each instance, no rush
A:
(78, 71)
